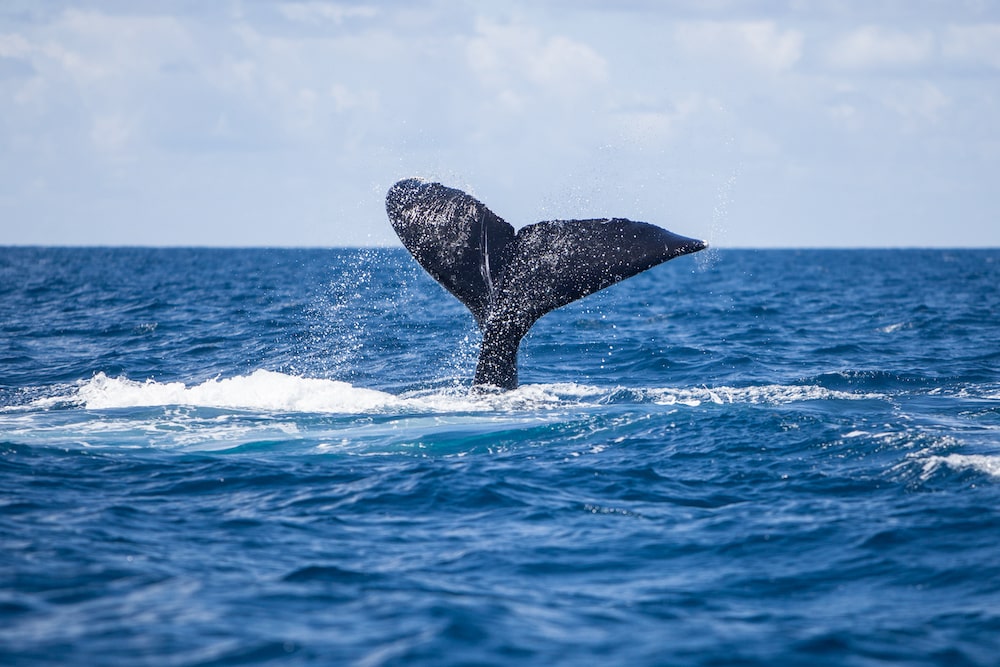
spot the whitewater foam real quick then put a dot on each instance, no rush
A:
(261, 390)
(271, 391)
(773, 394)
(983, 463)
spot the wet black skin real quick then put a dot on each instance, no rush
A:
(509, 279)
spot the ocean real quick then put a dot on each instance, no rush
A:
(273, 456)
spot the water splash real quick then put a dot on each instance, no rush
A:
(271, 391)
(720, 214)
(337, 326)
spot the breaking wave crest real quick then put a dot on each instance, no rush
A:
(981, 463)
(272, 391)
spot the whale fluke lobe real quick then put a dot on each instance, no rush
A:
(508, 280)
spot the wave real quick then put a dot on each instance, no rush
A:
(981, 463)
(268, 410)
(272, 391)
(262, 390)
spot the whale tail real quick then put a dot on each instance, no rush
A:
(508, 280)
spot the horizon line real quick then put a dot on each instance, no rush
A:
(398, 246)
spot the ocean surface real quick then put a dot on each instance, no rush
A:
(231, 457)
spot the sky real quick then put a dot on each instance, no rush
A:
(767, 123)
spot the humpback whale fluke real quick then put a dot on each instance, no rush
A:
(508, 280)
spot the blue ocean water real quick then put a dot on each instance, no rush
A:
(222, 457)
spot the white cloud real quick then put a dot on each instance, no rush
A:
(507, 57)
(872, 47)
(845, 115)
(757, 44)
(91, 75)
(93, 45)
(916, 103)
(324, 12)
(300, 88)
(111, 134)
(646, 126)
(975, 44)
(14, 46)
(346, 99)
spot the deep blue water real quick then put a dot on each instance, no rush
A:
(220, 457)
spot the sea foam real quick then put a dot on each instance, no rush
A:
(273, 391)
(983, 463)
(261, 390)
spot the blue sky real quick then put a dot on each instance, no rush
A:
(761, 124)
